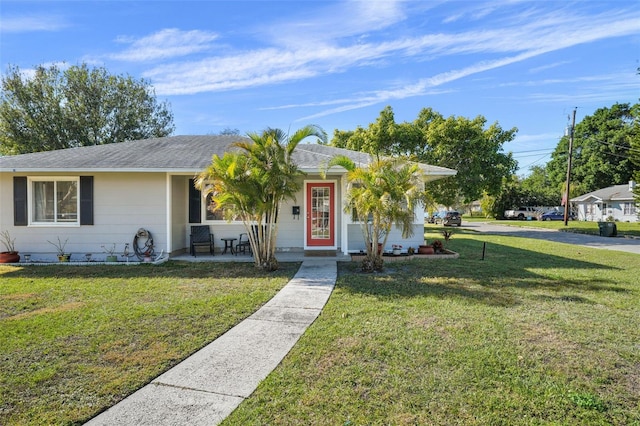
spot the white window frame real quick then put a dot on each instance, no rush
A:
(628, 209)
(55, 179)
(205, 209)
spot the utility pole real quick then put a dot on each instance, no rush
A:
(566, 199)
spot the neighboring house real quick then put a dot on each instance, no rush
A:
(615, 201)
(101, 195)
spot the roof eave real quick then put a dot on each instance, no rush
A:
(99, 170)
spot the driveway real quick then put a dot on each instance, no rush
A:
(629, 245)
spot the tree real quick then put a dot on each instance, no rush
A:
(381, 194)
(229, 131)
(79, 106)
(251, 184)
(471, 149)
(540, 190)
(455, 142)
(602, 149)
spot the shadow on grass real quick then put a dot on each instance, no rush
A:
(501, 279)
(171, 269)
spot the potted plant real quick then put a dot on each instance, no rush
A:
(425, 248)
(437, 246)
(10, 255)
(60, 246)
(396, 249)
(410, 251)
(111, 253)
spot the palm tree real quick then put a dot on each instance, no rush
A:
(252, 183)
(384, 192)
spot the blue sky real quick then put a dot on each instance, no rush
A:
(249, 65)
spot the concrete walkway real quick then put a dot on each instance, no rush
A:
(206, 387)
(629, 245)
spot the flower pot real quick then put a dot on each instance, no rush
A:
(112, 258)
(64, 257)
(9, 257)
(426, 250)
(396, 252)
(379, 248)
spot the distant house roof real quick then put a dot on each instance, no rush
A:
(170, 154)
(612, 193)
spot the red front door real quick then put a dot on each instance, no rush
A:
(320, 214)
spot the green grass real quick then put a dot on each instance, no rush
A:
(535, 334)
(623, 228)
(75, 340)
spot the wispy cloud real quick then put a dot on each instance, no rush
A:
(535, 39)
(617, 87)
(548, 66)
(354, 18)
(167, 43)
(32, 23)
(335, 41)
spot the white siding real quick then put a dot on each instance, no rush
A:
(123, 202)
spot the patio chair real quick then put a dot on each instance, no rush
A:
(243, 244)
(200, 236)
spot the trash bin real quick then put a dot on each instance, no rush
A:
(608, 229)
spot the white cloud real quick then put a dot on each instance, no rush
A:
(354, 18)
(358, 35)
(167, 43)
(548, 66)
(32, 23)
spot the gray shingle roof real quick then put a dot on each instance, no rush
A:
(170, 153)
(612, 193)
(174, 153)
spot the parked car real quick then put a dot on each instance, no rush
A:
(452, 218)
(521, 213)
(555, 215)
(436, 217)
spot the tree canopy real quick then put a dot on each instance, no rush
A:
(602, 149)
(80, 106)
(468, 146)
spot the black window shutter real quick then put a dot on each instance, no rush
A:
(86, 200)
(20, 214)
(195, 200)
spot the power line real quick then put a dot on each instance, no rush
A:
(533, 150)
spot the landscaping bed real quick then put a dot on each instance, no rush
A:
(388, 257)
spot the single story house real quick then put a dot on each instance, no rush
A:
(615, 201)
(98, 196)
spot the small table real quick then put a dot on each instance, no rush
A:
(228, 244)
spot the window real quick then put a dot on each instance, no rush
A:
(591, 209)
(629, 209)
(212, 215)
(54, 200)
(215, 215)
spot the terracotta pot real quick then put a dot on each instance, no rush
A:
(425, 250)
(6, 257)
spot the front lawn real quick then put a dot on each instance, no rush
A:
(581, 227)
(534, 334)
(76, 339)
